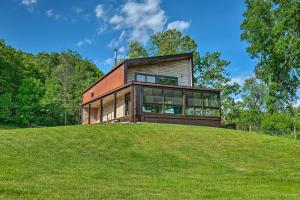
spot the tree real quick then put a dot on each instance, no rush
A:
(28, 101)
(272, 30)
(172, 42)
(253, 94)
(277, 123)
(249, 119)
(209, 70)
(136, 50)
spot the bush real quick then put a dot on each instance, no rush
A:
(278, 123)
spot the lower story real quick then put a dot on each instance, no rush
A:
(147, 102)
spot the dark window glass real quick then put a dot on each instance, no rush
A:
(153, 108)
(92, 94)
(173, 97)
(171, 109)
(153, 95)
(164, 80)
(193, 99)
(210, 100)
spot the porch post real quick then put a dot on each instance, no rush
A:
(115, 105)
(219, 99)
(183, 102)
(132, 99)
(101, 111)
(89, 115)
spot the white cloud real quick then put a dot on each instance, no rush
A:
(99, 11)
(121, 49)
(101, 30)
(84, 42)
(179, 25)
(116, 19)
(239, 79)
(109, 61)
(51, 13)
(78, 10)
(115, 43)
(140, 19)
(28, 2)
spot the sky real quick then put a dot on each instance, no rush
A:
(93, 28)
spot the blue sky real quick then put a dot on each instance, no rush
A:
(94, 28)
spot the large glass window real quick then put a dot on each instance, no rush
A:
(173, 101)
(210, 100)
(193, 103)
(153, 100)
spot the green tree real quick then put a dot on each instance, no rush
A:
(172, 42)
(136, 50)
(253, 94)
(28, 99)
(277, 123)
(272, 30)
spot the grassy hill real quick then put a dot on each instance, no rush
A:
(146, 161)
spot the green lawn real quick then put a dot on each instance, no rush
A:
(146, 161)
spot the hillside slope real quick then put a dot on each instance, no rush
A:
(146, 161)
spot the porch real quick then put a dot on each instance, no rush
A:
(139, 101)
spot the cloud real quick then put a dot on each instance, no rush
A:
(239, 79)
(51, 13)
(101, 30)
(121, 49)
(116, 19)
(99, 11)
(179, 25)
(78, 10)
(85, 41)
(28, 2)
(140, 19)
(115, 43)
(109, 61)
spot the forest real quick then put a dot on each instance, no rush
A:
(45, 89)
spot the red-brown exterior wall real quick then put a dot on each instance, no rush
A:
(111, 81)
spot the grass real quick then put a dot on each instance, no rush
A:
(146, 161)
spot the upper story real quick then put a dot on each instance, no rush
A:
(164, 70)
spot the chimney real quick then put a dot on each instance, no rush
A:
(116, 56)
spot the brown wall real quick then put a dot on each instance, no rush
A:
(111, 81)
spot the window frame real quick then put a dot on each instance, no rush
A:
(157, 77)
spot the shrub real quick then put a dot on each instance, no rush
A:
(278, 123)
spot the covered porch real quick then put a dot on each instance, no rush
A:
(139, 101)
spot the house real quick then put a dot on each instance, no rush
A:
(151, 89)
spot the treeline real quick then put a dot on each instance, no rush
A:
(42, 89)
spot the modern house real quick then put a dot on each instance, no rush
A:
(152, 89)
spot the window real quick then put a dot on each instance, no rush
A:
(211, 112)
(153, 100)
(211, 100)
(140, 77)
(193, 103)
(173, 102)
(164, 80)
(92, 94)
(167, 80)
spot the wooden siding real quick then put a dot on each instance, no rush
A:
(111, 81)
(179, 68)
